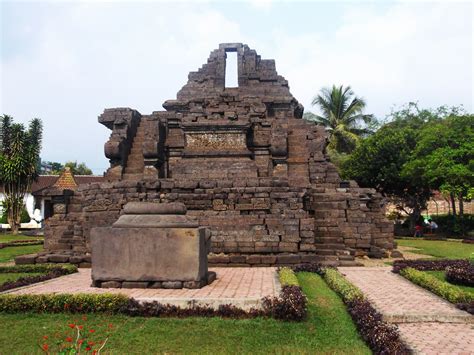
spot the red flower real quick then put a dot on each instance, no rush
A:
(111, 325)
(71, 325)
(94, 352)
(45, 347)
(80, 341)
(45, 337)
(90, 343)
(88, 348)
(81, 326)
(68, 339)
(91, 330)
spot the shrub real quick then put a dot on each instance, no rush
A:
(461, 275)
(24, 216)
(290, 306)
(443, 289)
(287, 277)
(155, 309)
(68, 268)
(468, 307)
(429, 265)
(340, 285)
(382, 338)
(315, 268)
(58, 303)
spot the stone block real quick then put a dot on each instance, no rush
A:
(288, 259)
(26, 259)
(172, 284)
(58, 258)
(111, 284)
(145, 254)
(134, 284)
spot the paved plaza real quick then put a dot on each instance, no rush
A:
(427, 323)
(243, 287)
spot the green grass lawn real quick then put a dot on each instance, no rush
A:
(327, 330)
(9, 253)
(12, 276)
(440, 275)
(440, 249)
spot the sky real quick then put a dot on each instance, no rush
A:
(65, 62)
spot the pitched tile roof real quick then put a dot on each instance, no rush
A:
(66, 180)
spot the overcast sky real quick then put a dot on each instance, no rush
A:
(64, 62)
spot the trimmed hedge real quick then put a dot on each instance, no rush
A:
(344, 288)
(429, 265)
(460, 275)
(51, 272)
(380, 336)
(21, 243)
(69, 268)
(291, 305)
(449, 292)
(58, 303)
(287, 277)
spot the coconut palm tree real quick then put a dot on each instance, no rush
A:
(19, 156)
(342, 115)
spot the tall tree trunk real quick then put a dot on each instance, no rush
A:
(453, 203)
(461, 214)
(415, 216)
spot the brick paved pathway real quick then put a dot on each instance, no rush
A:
(243, 287)
(426, 322)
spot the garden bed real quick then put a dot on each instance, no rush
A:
(15, 276)
(380, 336)
(327, 329)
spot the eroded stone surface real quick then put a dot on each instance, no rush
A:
(245, 165)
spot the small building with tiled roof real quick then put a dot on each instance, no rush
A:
(38, 204)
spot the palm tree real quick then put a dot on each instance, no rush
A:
(342, 116)
(19, 156)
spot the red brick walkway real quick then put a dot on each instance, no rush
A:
(243, 287)
(427, 323)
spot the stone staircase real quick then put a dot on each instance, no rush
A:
(135, 164)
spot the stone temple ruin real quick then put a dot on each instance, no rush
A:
(243, 162)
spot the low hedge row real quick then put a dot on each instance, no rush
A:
(58, 303)
(21, 243)
(342, 286)
(429, 265)
(51, 272)
(381, 337)
(461, 275)
(69, 268)
(287, 277)
(449, 292)
(290, 305)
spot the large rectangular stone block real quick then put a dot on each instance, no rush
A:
(148, 254)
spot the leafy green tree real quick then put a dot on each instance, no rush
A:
(381, 158)
(444, 158)
(78, 169)
(19, 156)
(342, 116)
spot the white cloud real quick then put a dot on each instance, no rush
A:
(71, 61)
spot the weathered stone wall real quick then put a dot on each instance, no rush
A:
(246, 166)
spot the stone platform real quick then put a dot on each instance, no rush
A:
(241, 287)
